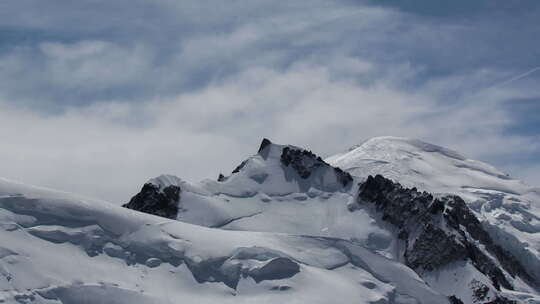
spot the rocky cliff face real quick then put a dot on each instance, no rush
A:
(287, 189)
(157, 201)
(305, 162)
(284, 169)
(440, 231)
(507, 207)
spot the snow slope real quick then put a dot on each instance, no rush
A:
(264, 195)
(270, 193)
(59, 248)
(508, 208)
(284, 226)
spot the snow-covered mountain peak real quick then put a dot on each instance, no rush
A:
(285, 226)
(275, 174)
(74, 251)
(403, 144)
(508, 208)
(429, 167)
(281, 170)
(488, 237)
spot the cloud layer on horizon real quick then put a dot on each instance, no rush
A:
(97, 97)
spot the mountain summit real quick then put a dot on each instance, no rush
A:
(423, 205)
(393, 220)
(508, 208)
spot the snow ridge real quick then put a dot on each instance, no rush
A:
(441, 231)
(481, 212)
(65, 251)
(284, 226)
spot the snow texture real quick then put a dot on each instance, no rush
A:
(59, 248)
(508, 208)
(284, 226)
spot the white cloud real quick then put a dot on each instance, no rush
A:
(191, 91)
(98, 151)
(94, 64)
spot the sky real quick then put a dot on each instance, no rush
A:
(97, 96)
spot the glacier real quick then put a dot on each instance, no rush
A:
(368, 225)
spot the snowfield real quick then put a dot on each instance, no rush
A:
(56, 248)
(508, 208)
(285, 226)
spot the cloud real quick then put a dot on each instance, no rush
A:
(93, 64)
(99, 151)
(98, 100)
(137, 50)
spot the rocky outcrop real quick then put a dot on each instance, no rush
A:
(480, 294)
(455, 300)
(433, 248)
(305, 162)
(439, 231)
(154, 200)
(459, 215)
(304, 167)
(239, 167)
(265, 142)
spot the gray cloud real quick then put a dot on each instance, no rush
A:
(97, 151)
(96, 97)
(171, 47)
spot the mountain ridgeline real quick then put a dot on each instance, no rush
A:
(390, 221)
(438, 231)
(450, 241)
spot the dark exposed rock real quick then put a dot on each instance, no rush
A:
(302, 161)
(344, 177)
(305, 162)
(460, 214)
(153, 200)
(438, 231)
(237, 169)
(395, 202)
(403, 235)
(481, 294)
(483, 263)
(265, 142)
(480, 291)
(434, 248)
(222, 178)
(455, 300)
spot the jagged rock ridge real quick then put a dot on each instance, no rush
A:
(428, 232)
(507, 207)
(305, 162)
(439, 231)
(273, 169)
